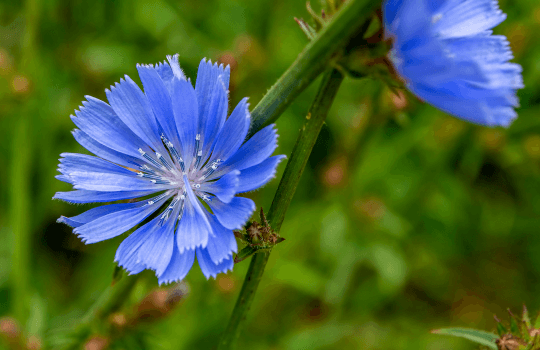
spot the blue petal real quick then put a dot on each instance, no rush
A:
(209, 268)
(503, 76)
(99, 121)
(435, 5)
(166, 74)
(413, 21)
(132, 106)
(467, 18)
(205, 84)
(96, 213)
(75, 162)
(491, 49)
(127, 254)
(179, 266)
(233, 215)
(233, 133)
(156, 252)
(440, 71)
(258, 175)
(64, 178)
(257, 149)
(211, 87)
(175, 67)
(84, 196)
(476, 111)
(116, 223)
(211, 123)
(160, 101)
(390, 11)
(186, 116)
(105, 152)
(193, 228)
(111, 182)
(224, 188)
(222, 244)
(168, 70)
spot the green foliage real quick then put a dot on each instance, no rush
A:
(474, 335)
(519, 336)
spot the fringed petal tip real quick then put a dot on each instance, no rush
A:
(256, 177)
(175, 66)
(235, 214)
(215, 65)
(219, 261)
(209, 268)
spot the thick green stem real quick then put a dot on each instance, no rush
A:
(284, 194)
(312, 61)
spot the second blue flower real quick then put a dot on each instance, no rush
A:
(445, 52)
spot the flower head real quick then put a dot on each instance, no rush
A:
(447, 55)
(174, 153)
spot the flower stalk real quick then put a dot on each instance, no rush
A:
(284, 194)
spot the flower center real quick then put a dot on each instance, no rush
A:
(169, 170)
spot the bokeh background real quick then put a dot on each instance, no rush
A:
(406, 219)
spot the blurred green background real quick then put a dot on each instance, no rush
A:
(406, 219)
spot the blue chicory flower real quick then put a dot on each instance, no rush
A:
(445, 52)
(174, 148)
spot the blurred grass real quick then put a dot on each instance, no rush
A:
(406, 219)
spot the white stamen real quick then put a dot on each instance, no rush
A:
(164, 161)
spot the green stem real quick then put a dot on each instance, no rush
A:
(110, 301)
(20, 212)
(284, 194)
(312, 61)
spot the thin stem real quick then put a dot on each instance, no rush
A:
(312, 61)
(284, 194)
(110, 301)
(302, 149)
(20, 212)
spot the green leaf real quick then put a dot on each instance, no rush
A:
(245, 253)
(374, 27)
(537, 322)
(514, 328)
(479, 337)
(306, 28)
(526, 317)
(501, 329)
